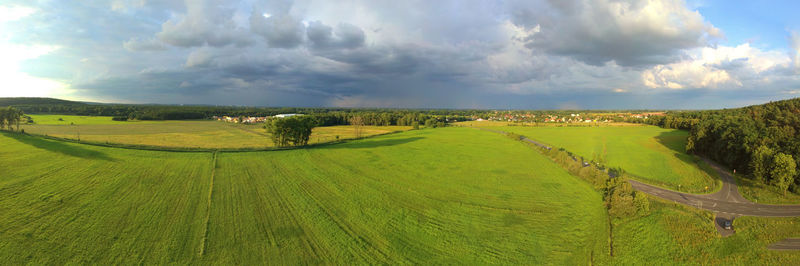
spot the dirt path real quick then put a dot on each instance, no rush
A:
(786, 244)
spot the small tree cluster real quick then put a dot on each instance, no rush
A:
(10, 116)
(514, 136)
(769, 167)
(290, 131)
(434, 123)
(622, 201)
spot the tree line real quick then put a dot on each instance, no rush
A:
(324, 116)
(759, 141)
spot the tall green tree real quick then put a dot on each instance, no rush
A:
(760, 163)
(291, 131)
(783, 171)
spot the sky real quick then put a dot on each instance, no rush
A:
(526, 54)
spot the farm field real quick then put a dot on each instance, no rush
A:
(64, 203)
(81, 120)
(651, 154)
(488, 123)
(392, 198)
(191, 134)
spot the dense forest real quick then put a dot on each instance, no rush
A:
(760, 141)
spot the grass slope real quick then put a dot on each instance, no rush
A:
(451, 195)
(652, 154)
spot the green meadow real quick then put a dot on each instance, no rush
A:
(64, 203)
(436, 196)
(441, 196)
(651, 154)
(80, 120)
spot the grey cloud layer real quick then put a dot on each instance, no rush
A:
(518, 54)
(630, 33)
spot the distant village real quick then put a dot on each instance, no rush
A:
(249, 119)
(568, 118)
(541, 117)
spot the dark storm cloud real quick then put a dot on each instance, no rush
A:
(323, 36)
(477, 54)
(630, 33)
(280, 31)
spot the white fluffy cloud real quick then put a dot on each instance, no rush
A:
(718, 67)
(11, 13)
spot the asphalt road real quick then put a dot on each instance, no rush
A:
(727, 200)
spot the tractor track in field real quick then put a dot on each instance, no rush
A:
(208, 204)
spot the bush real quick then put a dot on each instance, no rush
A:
(514, 136)
(120, 118)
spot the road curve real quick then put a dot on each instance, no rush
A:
(713, 202)
(727, 200)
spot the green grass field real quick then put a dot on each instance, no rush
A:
(63, 203)
(80, 120)
(443, 196)
(191, 134)
(674, 234)
(651, 154)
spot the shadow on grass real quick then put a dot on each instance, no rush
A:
(676, 142)
(365, 144)
(59, 147)
(673, 140)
